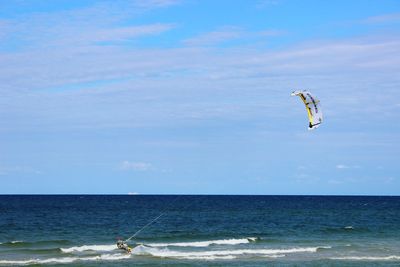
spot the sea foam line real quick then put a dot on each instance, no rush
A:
(12, 242)
(367, 258)
(206, 243)
(178, 244)
(104, 257)
(89, 247)
(166, 253)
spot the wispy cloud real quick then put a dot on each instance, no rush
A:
(18, 169)
(227, 34)
(123, 33)
(306, 178)
(4, 27)
(302, 167)
(215, 37)
(123, 85)
(135, 166)
(100, 22)
(343, 166)
(162, 75)
(156, 3)
(385, 18)
(88, 71)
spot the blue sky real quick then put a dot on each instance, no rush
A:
(193, 97)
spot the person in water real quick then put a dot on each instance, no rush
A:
(122, 245)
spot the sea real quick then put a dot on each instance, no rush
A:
(199, 230)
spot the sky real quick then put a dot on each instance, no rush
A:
(193, 97)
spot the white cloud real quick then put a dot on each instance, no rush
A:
(130, 86)
(215, 37)
(4, 27)
(79, 27)
(156, 3)
(135, 166)
(342, 166)
(306, 178)
(226, 34)
(385, 18)
(182, 82)
(121, 33)
(302, 167)
(16, 169)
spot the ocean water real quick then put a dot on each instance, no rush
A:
(81, 230)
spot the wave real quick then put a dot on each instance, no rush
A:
(220, 254)
(349, 229)
(177, 244)
(368, 258)
(34, 251)
(227, 254)
(89, 247)
(104, 257)
(19, 243)
(206, 243)
(11, 243)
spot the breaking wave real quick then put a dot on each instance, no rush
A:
(163, 251)
(206, 243)
(21, 244)
(368, 258)
(219, 254)
(177, 244)
(89, 247)
(104, 257)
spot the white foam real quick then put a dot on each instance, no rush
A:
(109, 257)
(275, 256)
(104, 257)
(324, 247)
(349, 227)
(206, 243)
(166, 253)
(89, 247)
(367, 258)
(12, 242)
(229, 257)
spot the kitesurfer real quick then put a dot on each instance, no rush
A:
(122, 245)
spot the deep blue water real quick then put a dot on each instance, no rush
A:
(200, 230)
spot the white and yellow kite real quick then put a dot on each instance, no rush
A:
(313, 108)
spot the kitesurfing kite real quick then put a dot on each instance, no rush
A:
(313, 108)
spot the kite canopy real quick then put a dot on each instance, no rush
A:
(313, 108)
